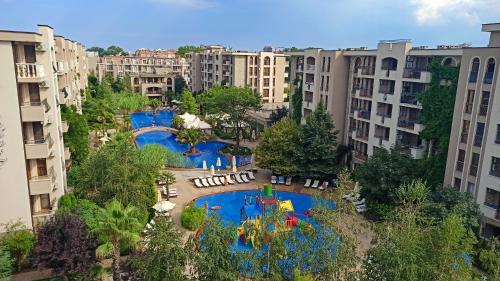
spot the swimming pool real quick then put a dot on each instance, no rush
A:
(208, 150)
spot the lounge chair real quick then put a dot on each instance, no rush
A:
(359, 203)
(217, 181)
(222, 180)
(250, 175)
(238, 179)
(353, 197)
(172, 191)
(229, 180)
(361, 209)
(244, 177)
(288, 181)
(274, 180)
(281, 180)
(315, 184)
(324, 186)
(197, 183)
(205, 182)
(308, 183)
(211, 182)
(334, 183)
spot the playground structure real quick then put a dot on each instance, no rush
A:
(260, 206)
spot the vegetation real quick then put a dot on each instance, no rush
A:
(489, 258)
(296, 104)
(117, 226)
(110, 51)
(188, 102)
(233, 102)
(279, 114)
(277, 148)
(5, 264)
(19, 242)
(65, 246)
(183, 50)
(154, 104)
(177, 122)
(192, 217)
(77, 136)
(180, 85)
(168, 178)
(161, 255)
(126, 102)
(241, 151)
(191, 137)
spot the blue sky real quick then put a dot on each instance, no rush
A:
(252, 24)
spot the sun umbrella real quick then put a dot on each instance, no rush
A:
(204, 165)
(218, 162)
(212, 170)
(163, 206)
(233, 160)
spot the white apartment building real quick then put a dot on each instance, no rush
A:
(263, 72)
(474, 153)
(32, 154)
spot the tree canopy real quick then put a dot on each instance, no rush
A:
(188, 102)
(183, 50)
(77, 136)
(296, 103)
(110, 51)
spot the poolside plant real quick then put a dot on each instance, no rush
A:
(192, 217)
(191, 137)
(5, 264)
(188, 103)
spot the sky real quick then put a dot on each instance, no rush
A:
(253, 24)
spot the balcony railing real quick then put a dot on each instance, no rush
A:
(478, 140)
(366, 92)
(409, 98)
(495, 170)
(460, 166)
(412, 73)
(365, 69)
(363, 113)
(360, 155)
(310, 67)
(468, 107)
(386, 90)
(36, 141)
(361, 135)
(407, 123)
(483, 109)
(473, 169)
(29, 70)
(463, 138)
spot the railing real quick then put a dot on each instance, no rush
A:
(310, 67)
(360, 155)
(308, 102)
(366, 92)
(386, 90)
(29, 70)
(460, 166)
(409, 98)
(473, 170)
(300, 68)
(412, 73)
(36, 141)
(31, 103)
(309, 85)
(478, 140)
(468, 107)
(463, 138)
(473, 77)
(407, 123)
(483, 109)
(363, 113)
(361, 135)
(495, 170)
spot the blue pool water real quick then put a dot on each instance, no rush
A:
(208, 150)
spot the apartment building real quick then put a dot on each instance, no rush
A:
(474, 153)
(151, 72)
(322, 76)
(263, 72)
(33, 158)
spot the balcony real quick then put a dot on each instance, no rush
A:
(409, 98)
(40, 185)
(382, 119)
(307, 104)
(407, 123)
(460, 166)
(473, 77)
(309, 85)
(226, 62)
(33, 112)
(417, 152)
(366, 92)
(62, 98)
(483, 110)
(362, 113)
(385, 97)
(361, 135)
(389, 74)
(473, 169)
(65, 126)
(61, 68)
(310, 67)
(36, 149)
(422, 76)
(478, 140)
(29, 72)
(226, 73)
(360, 155)
(67, 153)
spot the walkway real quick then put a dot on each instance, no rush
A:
(139, 131)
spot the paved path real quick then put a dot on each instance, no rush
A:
(139, 131)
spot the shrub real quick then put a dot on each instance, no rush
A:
(177, 122)
(192, 217)
(242, 151)
(19, 241)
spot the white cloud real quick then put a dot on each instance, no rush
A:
(440, 11)
(192, 4)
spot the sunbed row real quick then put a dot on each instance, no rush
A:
(172, 191)
(359, 204)
(281, 180)
(218, 180)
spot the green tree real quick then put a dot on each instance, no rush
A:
(188, 102)
(99, 114)
(127, 102)
(20, 242)
(192, 217)
(235, 102)
(154, 104)
(296, 104)
(489, 258)
(179, 85)
(177, 122)
(77, 136)
(162, 257)
(5, 264)
(183, 50)
(318, 143)
(278, 147)
(117, 226)
(99, 50)
(190, 137)
(168, 178)
(114, 51)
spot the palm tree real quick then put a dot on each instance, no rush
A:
(154, 103)
(117, 226)
(168, 178)
(126, 122)
(191, 137)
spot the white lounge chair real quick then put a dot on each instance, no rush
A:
(205, 182)
(250, 175)
(217, 181)
(229, 180)
(281, 180)
(315, 184)
(288, 181)
(360, 209)
(324, 186)
(238, 179)
(211, 182)
(172, 191)
(360, 202)
(222, 180)
(274, 180)
(308, 183)
(197, 183)
(244, 178)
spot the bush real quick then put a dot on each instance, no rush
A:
(177, 122)
(20, 242)
(242, 151)
(192, 217)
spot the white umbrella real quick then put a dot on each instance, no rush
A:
(218, 163)
(212, 170)
(204, 165)
(235, 169)
(163, 206)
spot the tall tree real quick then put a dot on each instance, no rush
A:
(179, 85)
(279, 114)
(65, 246)
(296, 103)
(77, 136)
(117, 226)
(235, 102)
(278, 147)
(154, 104)
(188, 102)
(191, 137)
(318, 144)
(162, 256)
(168, 178)
(183, 50)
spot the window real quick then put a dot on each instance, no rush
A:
(474, 71)
(460, 160)
(471, 187)
(41, 166)
(495, 167)
(250, 70)
(490, 69)
(45, 201)
(267, 61)
(327, 83)
(328, 65)
(457, 183)
(485, 101)
(266, 82)
(474, 164)
(497, 139)
(322, 82)
(251, 60)
(465, 131)
(323, 64)
(265, 93)
(470, 101)
(478, 138)
(267, 71)
(492, 198)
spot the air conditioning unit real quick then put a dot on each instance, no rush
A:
(48, 121)
(44, 84)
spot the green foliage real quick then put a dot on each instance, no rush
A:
(99, 114)
(192, 217)
(317, 145)
(489, 258)
(20, 242)
(126, 102)
(191, 137)
(188, 102)
(154, 104)
(77, 136)
(162, 256)
(438, 102)
(179, 85)
(234, 102)
(5, 264)
(177, 122)
(67, 203)
(183, 50)
(296, 104)
(119, 171)
(88, 212)
(241, 151)
(110, 51)
(278, 147)
(278, 114)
